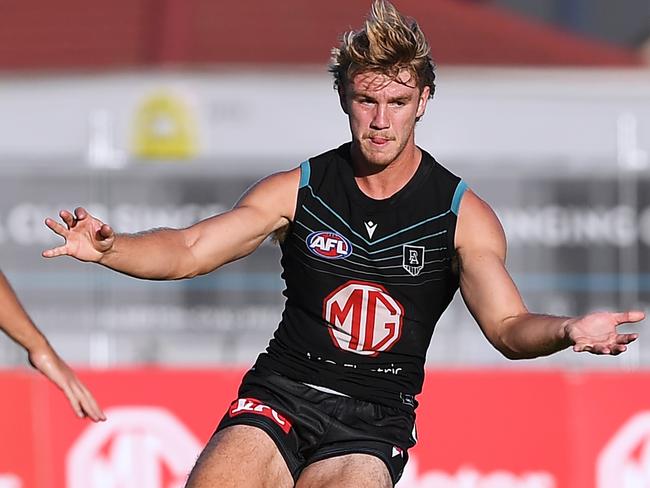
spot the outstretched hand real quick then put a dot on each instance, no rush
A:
(56, 370)
(597, 332)
(86, 238)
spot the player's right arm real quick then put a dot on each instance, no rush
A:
(168, 254)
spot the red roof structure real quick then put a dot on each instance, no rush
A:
(78, 34)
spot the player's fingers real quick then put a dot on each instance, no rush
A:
(598, 349)
(80, 394)
(630, 316)
(626, 338)
(618, 349)
(54, 252)
(56, 227)
(80, 213)
(89, 404)
(593, 348)
(583, 348)
(68, 218)
(93, 412)
(88, 409)
(105, 232)
(74, 401)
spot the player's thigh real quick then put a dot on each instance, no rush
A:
(353, 470)
(240, 456)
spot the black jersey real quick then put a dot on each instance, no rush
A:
(366, 280)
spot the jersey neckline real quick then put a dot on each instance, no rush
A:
(347, 177)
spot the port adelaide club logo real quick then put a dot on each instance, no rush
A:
(413, 259)
(329, 245)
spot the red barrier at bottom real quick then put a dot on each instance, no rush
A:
(476, 429)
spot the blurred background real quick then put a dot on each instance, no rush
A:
(159, 113)
(156, 113)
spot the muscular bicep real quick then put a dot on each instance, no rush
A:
(486, 286)
(268, 206)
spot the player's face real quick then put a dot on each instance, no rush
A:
(382, 114)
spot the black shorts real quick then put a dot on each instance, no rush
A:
(308, 425)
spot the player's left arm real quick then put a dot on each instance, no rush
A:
(494, 301)
(17, 324)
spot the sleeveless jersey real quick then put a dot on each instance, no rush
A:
(366, 280)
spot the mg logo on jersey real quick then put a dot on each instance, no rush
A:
(364, 318)
(413, 259)
(139, 447)
(251, 405)
(625, 460)
(329, 245)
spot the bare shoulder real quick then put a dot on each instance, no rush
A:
(278, 182)
(277, 192)
(478, 227)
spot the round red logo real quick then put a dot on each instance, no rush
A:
(365, 318)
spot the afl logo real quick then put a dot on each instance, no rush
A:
(329, 245)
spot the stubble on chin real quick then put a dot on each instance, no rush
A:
(380, 156)
(376, 158)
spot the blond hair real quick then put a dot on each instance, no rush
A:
(387, 44)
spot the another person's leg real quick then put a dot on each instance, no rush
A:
(240, 456)
(353, 470)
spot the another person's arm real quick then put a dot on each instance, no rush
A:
(167, 254)
(15, 322)
(497, 306)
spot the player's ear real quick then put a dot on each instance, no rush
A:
(422, 101)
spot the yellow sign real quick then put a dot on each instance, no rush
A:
(165, 128)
